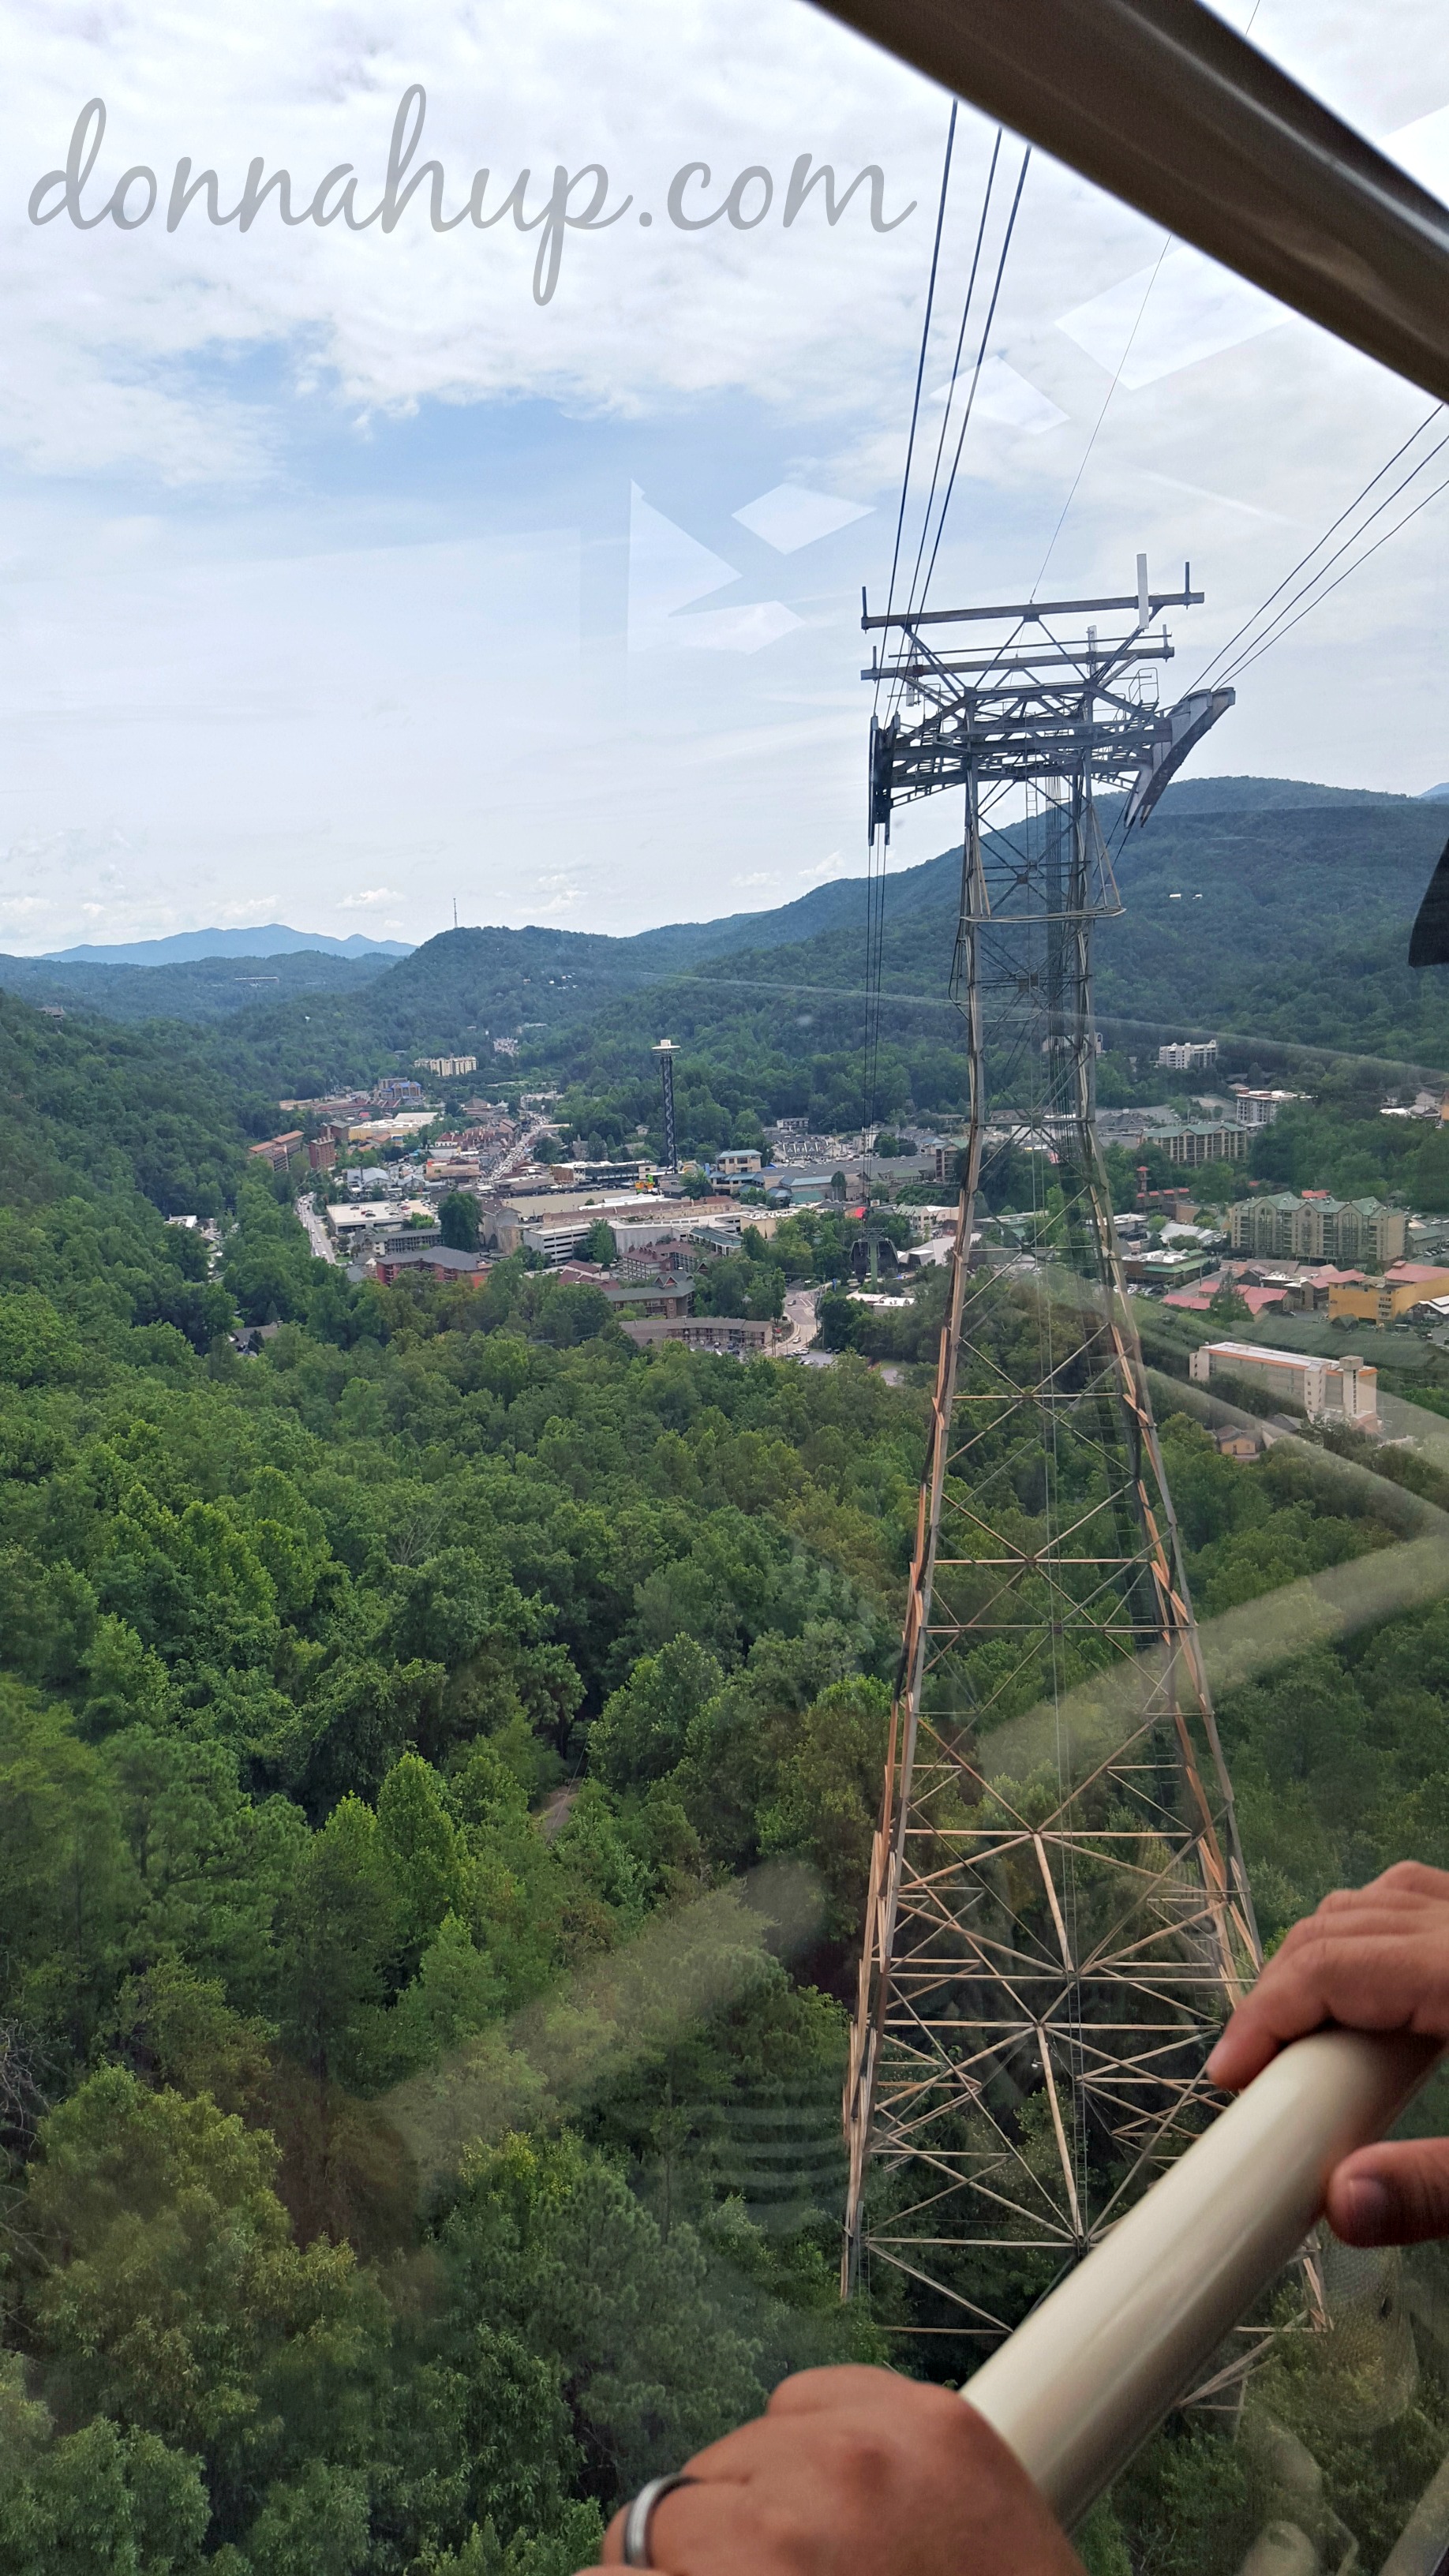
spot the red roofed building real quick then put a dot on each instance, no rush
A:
(1198, 1300)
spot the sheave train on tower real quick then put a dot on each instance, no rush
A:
(1058, 1916)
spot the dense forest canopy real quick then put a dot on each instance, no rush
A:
(440, 1756)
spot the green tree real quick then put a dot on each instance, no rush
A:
(458, 1215)
(739, 1286)
(171, 2297)
(1226, 1306)
(101, 2500)
(67, 1889)
(644, 1727)
(548, 2242)
(570, 1311)
(827, 1798)
(601, 1244)
(339, 1928)
(420, 1842)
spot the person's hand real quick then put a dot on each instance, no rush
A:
(850, 2469)
(1371, 1958)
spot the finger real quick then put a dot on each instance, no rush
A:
(1415, 1875)
(1391, 2195)
(753, 2450)
(1378, 1908)
(851, 2384)
(1408, 1882)
(1390, 1981)
(779, 2522)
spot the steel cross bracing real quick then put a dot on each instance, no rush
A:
(1057, 1917)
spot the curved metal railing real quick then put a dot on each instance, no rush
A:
(1093, 2371)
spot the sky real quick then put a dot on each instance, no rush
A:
(347, 575)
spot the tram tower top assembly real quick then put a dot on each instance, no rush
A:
(1057, 1917)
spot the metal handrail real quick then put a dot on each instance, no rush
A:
(1164, 105)
(1081, 2384)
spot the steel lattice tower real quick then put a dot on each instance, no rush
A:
(1057, 1916)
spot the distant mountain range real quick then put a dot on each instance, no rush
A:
(1271, 907)
(185, 947)
(201, 988)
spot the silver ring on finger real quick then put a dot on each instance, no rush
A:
(640, 2513)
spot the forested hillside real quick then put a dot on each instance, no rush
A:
(203, 988)
(438, 1760)
(1299, 939)
(1266, 907)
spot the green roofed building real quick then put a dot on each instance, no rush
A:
(1315, 1227)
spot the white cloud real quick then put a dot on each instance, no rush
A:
(366, 655)
(757, 877)
(101, 327)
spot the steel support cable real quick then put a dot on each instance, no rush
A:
(1117, 378)
(956, 365)
(1102, 414)
(1203, 677)
(1167, 107)
(875, 900)
(1258, 645)
(1218, 671)
(874, 975)
(921, 361)
(920, 603)
(1421, 504)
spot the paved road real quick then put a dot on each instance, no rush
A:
(317, 1234)
(516, 1156)
(801, 1315)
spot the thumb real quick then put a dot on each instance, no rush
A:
(1391, 2195)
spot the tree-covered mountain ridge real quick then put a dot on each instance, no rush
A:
(1263, 906)
(1268, 907)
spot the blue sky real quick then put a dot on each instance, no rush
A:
(341, 579)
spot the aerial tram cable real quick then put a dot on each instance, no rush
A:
(1225, 663)
(921, 362)
(1228, 663)
(1102, 414)
(955, 370)
(875, 876)
(919, 588)
(918, 604)
(1422, 504)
